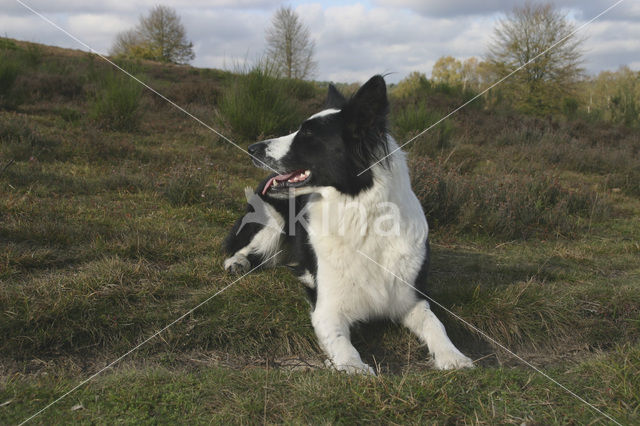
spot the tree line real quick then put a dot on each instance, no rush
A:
(535, 54)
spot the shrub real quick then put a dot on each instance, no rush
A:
(20, 142)
(7, 44)
(413, 119)
(70, 115)
(192, 91)
(10, 95)
(504, 207)
(301, 89)
(47, 86)
(116, 103)
(33, 55)
(259, 104)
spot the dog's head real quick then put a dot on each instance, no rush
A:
(331, 148)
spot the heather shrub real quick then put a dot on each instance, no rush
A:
(45, 86)
(505, 207)
(10, 95)
(70, 115)
(7, 44)
(19, 141)
(116, 103)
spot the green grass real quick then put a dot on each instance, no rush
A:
(262, 394)
(107, 235)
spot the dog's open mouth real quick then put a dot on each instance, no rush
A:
(287, 180)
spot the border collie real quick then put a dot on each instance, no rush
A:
(352, 229)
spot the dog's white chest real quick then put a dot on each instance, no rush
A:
(367, 253)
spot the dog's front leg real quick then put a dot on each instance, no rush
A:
(333, 334)
(424, 323)
(255, 237)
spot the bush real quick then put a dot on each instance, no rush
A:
(504, 207)
(70, 115)
(45, 86)
(33, 55)
(7, 44)
(10, 95)
(20, 142)
(258, 104)
(413, 119)
(116, 103)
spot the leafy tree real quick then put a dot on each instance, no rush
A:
(614, 95)
(447, 70)
(289, 45)
(415, 82)
(469, 74)
(541, 40)
(159, 36)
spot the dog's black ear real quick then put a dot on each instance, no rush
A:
(368, 108)
(365, 116)
(334, 98)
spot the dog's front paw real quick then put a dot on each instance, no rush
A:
(355, 367)
(237, 264)
(452, 360)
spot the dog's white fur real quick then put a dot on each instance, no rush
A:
(279, 147)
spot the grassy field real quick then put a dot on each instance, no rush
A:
(113, 207)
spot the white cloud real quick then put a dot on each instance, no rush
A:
(112, 6)
(98, 30)
(223, 38)
(355, 41)
(455, 8)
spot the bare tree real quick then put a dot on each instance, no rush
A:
(289, 45)
(159, 36)
(124, 42)
(528, 32)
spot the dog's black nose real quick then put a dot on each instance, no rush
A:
(255, 148)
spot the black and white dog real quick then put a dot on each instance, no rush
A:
(351, 227)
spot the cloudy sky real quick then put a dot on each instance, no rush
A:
(354, 39)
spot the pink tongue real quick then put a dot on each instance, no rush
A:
(278, 178)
